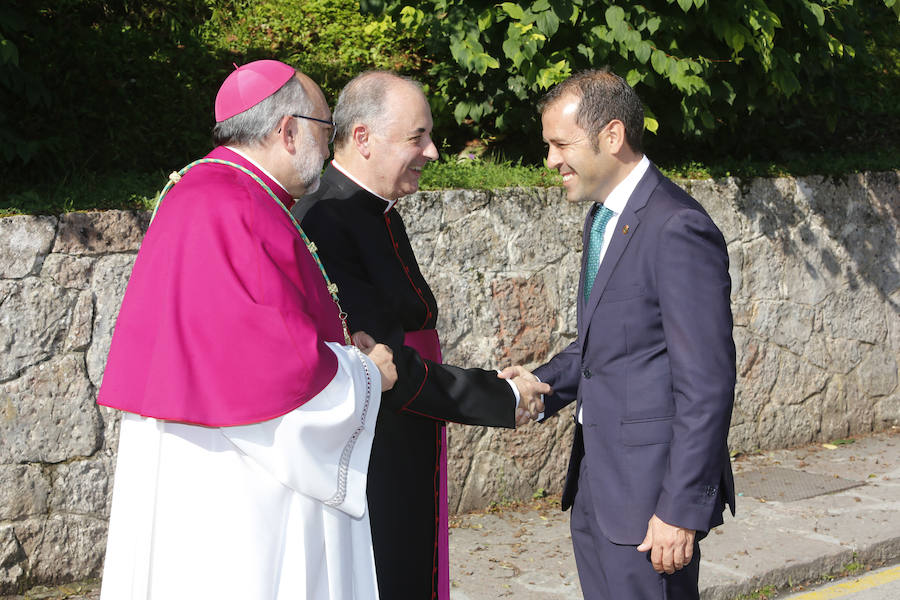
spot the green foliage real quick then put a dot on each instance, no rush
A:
(329, 40)
(484, 175)
(709, 72)
(85, 191)
(138, 190)
(102, 85)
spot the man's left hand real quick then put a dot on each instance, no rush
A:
(671, 547)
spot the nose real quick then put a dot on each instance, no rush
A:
(431, 151)
(554, 161)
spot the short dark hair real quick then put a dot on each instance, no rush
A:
(604, 96)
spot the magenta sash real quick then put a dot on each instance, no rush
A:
(428, 345)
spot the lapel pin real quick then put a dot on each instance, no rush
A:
(625, 230)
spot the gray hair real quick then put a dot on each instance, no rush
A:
(363, 101)
(604, 96)
(251, 127)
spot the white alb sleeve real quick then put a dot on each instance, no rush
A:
(321, 449)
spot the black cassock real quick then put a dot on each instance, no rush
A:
(366, 252)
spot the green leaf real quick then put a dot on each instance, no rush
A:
(653, 25)
(604, 33)
(485, 20)
(547, 22)
(685, 4)
(513, 51)
(634, 77)
(553, 74)
(540, 5)
(9, 54)
(817, 12)
(513, 10)
(587, 52)
(659, 61)
(615, 17)
(481, 62)
(643, 51)
(651, 124)
(736, 40)
(461, 111)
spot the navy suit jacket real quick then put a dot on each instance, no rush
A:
(653, 369)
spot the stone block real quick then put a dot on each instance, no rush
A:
(24, 243)
(458, 205)
(422, 213)
(736, 268)
(526, 319)
(782, 426)
(720, 198)
(69, 271)
(24, 492)
(101, 232)
(83, 487)
(82, 321)
(110, 278)
(466, 321)
(63, 548)
(854, 315)
(799, 381)
(768, 207)
(34, 320)
(12, 560)
(812, 267)
(763, 269)
(877, 373)
(492, 477)
(784, 324)
(48, 414)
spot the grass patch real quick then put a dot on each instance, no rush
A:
(85, 191)
(763, 593)
(485, 175)
(137, 190)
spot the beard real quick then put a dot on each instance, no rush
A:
(308, 165)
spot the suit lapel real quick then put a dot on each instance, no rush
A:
(620, 237)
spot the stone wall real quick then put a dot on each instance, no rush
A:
(816, 296)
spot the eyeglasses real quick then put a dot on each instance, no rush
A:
(331, 123)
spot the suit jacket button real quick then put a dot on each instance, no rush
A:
(587, 373)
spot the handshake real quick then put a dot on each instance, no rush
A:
(531, 390)
(531, 402)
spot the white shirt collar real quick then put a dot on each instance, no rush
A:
(336, 165)
(618, 198)
(258, 166)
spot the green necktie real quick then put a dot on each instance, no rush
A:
(595, 244)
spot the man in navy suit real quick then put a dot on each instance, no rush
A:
(652, 371)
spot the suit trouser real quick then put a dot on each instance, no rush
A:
(611, 571)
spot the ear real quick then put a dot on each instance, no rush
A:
(360, 137)
(614, 136)
(288, 134)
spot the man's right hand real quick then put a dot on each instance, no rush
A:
(531, 392)
(383, 358)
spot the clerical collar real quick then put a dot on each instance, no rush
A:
(618, 198)
(258, 166)
(336, 165)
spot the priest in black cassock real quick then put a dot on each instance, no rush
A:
(383, 126)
